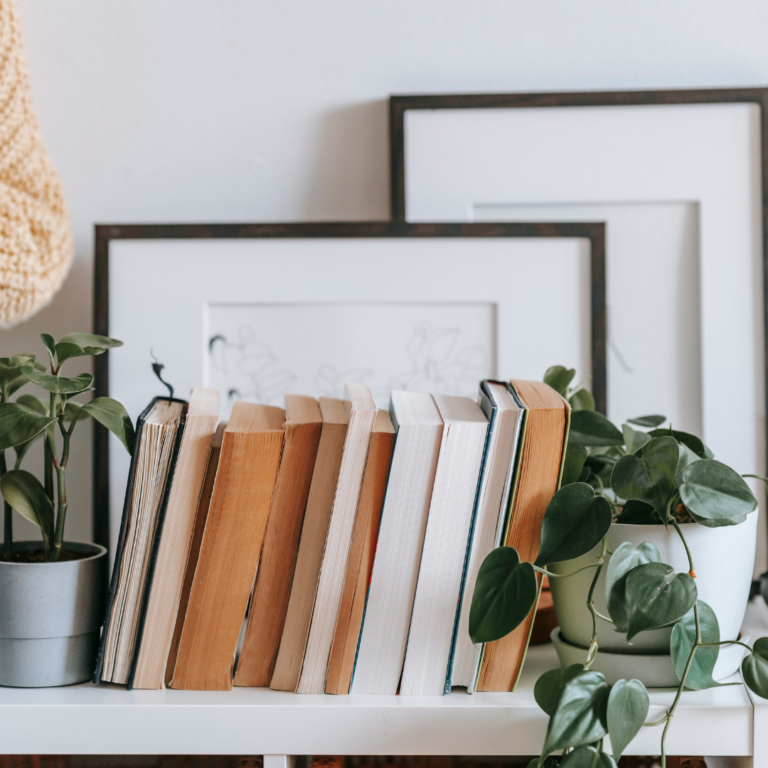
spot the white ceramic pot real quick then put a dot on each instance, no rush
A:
(724, 560)
(50, 618)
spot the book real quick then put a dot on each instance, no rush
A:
(384, 633)
(194, 547)
(173, 540)
(230, 549)
(158, 431)
(269, 601)
(445, 546)
(361, 554)
(542, 450)
(317, 517)
(505, 416)
(337, 543)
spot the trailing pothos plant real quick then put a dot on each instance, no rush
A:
(29, 418)
(645, 473)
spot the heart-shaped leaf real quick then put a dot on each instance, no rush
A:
(650, 476)
(550, 685)
(638, 513)
(687, 457)
(59, 384)
(580, 717)
(505, 592)
(24, 492)
(654, 420)
(754, 668)
(712, 491)
(590, 428)
(575, 521)
(634, 439)
(696, 444)
(18, 424)
(627, 710)
(682, 642)
(559, 377)
(582, 400)
(111, 414)
(575, 456)
(587, 757)
(90, 340)
(657, 596)
(623, 560)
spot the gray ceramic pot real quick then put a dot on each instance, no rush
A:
(50, 616)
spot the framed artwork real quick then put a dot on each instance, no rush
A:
(679, 177)
(259, 310)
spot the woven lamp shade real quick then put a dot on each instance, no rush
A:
(36, 241)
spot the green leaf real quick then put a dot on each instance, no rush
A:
(66, 350)
(691, 441)
(602, 465)
(627, 710)
(33, 403)
(587, 757)
(18, 424)
(59, 384)
(682, 641)
(505, 592)
(623, 560)
(50, 344)
(715, 494)
(590, 428)
(687, 456)
(575, 456)
(24, 492)
(559, 377)
(580, 717)
(582, 400)
(656, 597)
(90, 340)
(754, 668)
(648, 421)
(550, 685)
(634, 439)
(575, 521)
(111, 414)
(10, 371)
(638, 513)
(74, 411)
(650, 476)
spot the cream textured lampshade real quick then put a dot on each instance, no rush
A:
(36, 241)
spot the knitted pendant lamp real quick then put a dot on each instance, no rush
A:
(36, 241)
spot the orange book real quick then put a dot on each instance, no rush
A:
(229, 552)
(361, 553)
(269, 601)
(541, 457)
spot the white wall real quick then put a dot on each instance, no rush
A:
(263, 110)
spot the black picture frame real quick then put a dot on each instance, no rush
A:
(593, 232)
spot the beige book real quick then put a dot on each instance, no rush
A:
(229, 553)
(317, 517)
(175, 538)
(269, 602)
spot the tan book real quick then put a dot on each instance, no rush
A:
(541, 456)
(194, 547)
(167, 577)
(229, 552)
(341, 663)
(317, 517)
(269, 601)
(337, 543)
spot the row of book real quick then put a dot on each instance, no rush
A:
(330, 547)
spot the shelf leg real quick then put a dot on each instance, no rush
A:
(279, 761)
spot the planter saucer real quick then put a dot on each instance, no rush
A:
(654, 671)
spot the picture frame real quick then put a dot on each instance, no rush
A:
(168, 276)
(681, 179)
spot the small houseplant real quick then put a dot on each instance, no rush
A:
(649, 478)
(51, 592)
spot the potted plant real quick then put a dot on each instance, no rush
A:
(648, 545)
(51, 591)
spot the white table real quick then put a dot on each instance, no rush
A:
(107, 719)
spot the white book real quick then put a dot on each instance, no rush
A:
(505, 414)
(445, 546)
(337, 542)
(388, 608)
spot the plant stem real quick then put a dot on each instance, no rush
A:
(599, 562)
(692, 571)
(592, 652)
(61, 514)
(7, 518)
(49, 451)
(725, 642)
